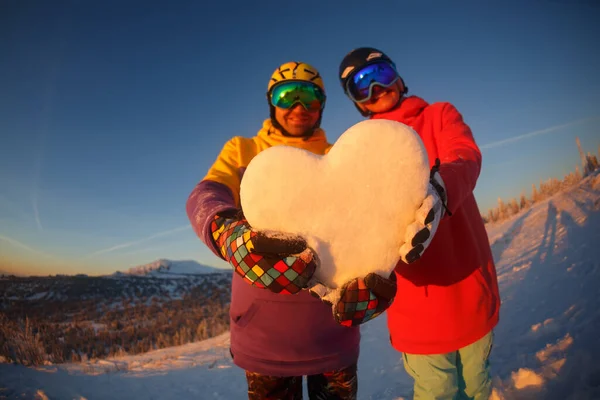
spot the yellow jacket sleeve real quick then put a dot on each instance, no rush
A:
(227, 168)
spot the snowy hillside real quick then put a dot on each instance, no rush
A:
(169, 269)
(159, 283)
(546, 347)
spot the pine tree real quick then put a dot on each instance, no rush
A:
(535, 197)
(514, 206)
(491, 217)
(592, 162)
(523, 201)
(202, 330)
(502, 214)
(544, 189)
(578, 176)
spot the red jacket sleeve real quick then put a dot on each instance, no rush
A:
(459, 156)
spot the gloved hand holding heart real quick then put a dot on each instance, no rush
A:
(351, 205)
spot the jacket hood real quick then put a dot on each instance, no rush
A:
(274, 136)
(409, 108)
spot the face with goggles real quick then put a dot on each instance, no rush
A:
(298, 105)
(376, 87)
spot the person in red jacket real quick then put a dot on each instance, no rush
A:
(447, 301)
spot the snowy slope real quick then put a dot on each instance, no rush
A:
(548, 260)
(549, 272)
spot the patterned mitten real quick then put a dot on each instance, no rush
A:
(420, 233)
(282, 264)
(359, 300)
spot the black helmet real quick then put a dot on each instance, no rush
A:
(358, 58)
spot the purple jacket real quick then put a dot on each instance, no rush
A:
(273, 334)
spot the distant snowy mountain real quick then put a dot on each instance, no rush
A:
(164, 268)
(7, 273)
(163, 279)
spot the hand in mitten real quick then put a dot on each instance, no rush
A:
(420, 233)
(280, 263)
(359, 300)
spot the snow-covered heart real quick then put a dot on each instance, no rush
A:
(351, 205)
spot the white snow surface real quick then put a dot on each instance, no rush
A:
(352, 204)
(546, 345)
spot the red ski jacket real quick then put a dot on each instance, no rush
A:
(449, 298)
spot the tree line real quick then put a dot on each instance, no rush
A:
(544, 190)
(49, 332)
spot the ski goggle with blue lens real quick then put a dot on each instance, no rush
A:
(288, 94)
(360, 85)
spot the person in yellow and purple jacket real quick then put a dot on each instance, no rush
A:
(280, 331)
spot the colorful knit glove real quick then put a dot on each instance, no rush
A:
(420, 233)
(359, 300)
(280, 264)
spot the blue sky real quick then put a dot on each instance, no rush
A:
(111, 112)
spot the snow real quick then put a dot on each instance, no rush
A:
(330, 199)
(163, 268)
(545, 345)
(37, 296)
(525, 377)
